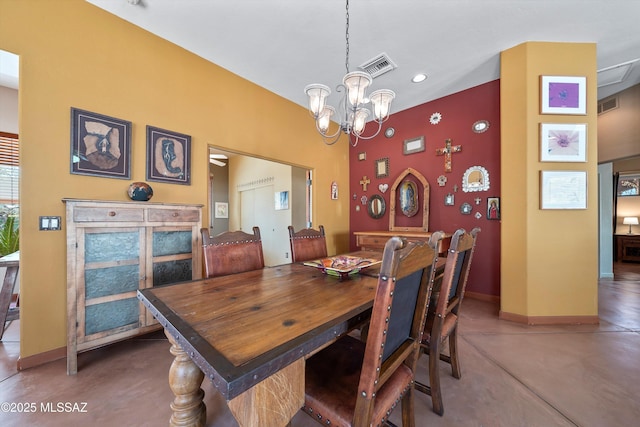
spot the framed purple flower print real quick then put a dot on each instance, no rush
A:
(561, 142)
(563, 95)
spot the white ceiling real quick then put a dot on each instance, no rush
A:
(283, 45)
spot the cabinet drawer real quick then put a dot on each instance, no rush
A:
(182, 215)
(376, 242)
(88, 214)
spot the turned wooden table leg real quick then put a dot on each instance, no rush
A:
(185, 379)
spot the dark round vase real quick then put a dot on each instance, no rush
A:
(140, 191)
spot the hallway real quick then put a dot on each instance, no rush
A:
(513, 374)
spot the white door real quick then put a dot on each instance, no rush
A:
(257, 209)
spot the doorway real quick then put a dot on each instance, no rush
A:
(251, 191)
(9, 201)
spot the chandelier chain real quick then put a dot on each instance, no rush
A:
(347, 39)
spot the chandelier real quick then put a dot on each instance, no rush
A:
(352, 110)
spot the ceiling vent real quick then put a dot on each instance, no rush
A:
(379, 65)
(614, 74)
(607, 104)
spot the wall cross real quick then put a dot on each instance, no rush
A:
(364, 182)
(447, 150)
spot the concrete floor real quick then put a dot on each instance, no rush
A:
(513, 375)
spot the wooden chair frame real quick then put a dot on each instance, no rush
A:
(351, 383)
(442, 320)
(231, 252)
(307, 244)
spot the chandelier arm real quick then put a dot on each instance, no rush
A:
(335, 136)
(371, 136)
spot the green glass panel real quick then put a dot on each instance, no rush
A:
(171, 272)
(110, 315)
(171, 242)
(100, 282)
(99, 247)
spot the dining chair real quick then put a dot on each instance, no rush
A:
(307, 244)
(353, 383)
(231, 252)
(444, 312)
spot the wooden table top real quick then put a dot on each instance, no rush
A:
(241, 328)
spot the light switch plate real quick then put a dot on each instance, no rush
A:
(48, 223)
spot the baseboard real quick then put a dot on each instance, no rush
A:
(482, 297)
(41, 358)
(606, 276)
(549, 320)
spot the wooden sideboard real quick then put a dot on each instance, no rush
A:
(628, 247)
(375, 240)
(114, 249)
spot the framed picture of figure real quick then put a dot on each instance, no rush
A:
(168, 156)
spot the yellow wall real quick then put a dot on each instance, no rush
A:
(73, 54)
(549, 264)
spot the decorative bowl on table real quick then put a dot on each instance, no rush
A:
(342, 266)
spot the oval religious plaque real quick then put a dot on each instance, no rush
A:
(409, 198)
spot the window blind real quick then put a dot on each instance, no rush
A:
(9, 168)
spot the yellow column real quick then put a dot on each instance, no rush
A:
(549, 261)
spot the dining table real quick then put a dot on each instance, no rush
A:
(249, 334)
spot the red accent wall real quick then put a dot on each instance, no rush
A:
(459, 112)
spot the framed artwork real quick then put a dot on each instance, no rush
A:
(628, 184)
(563, 142)
(449, 199)
(221, 210)
(563, 190)
(100, 145)
(362, 156)
(382, 168)
(563, 95)
(168, 156)
(414, 145)
(493, 207)
(282, 200)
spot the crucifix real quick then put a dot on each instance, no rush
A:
(447, 150)
(364, 182)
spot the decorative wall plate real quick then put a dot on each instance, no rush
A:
(465, 208)
(480, 126)
(435, 118)
(476, 178)
(376, 206)
(389, 132)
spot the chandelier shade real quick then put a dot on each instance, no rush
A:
(317, 94)
(352, 111)
(381, 101)
(324, 118)
(356, 83)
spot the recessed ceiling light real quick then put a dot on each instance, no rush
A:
(419, 78)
